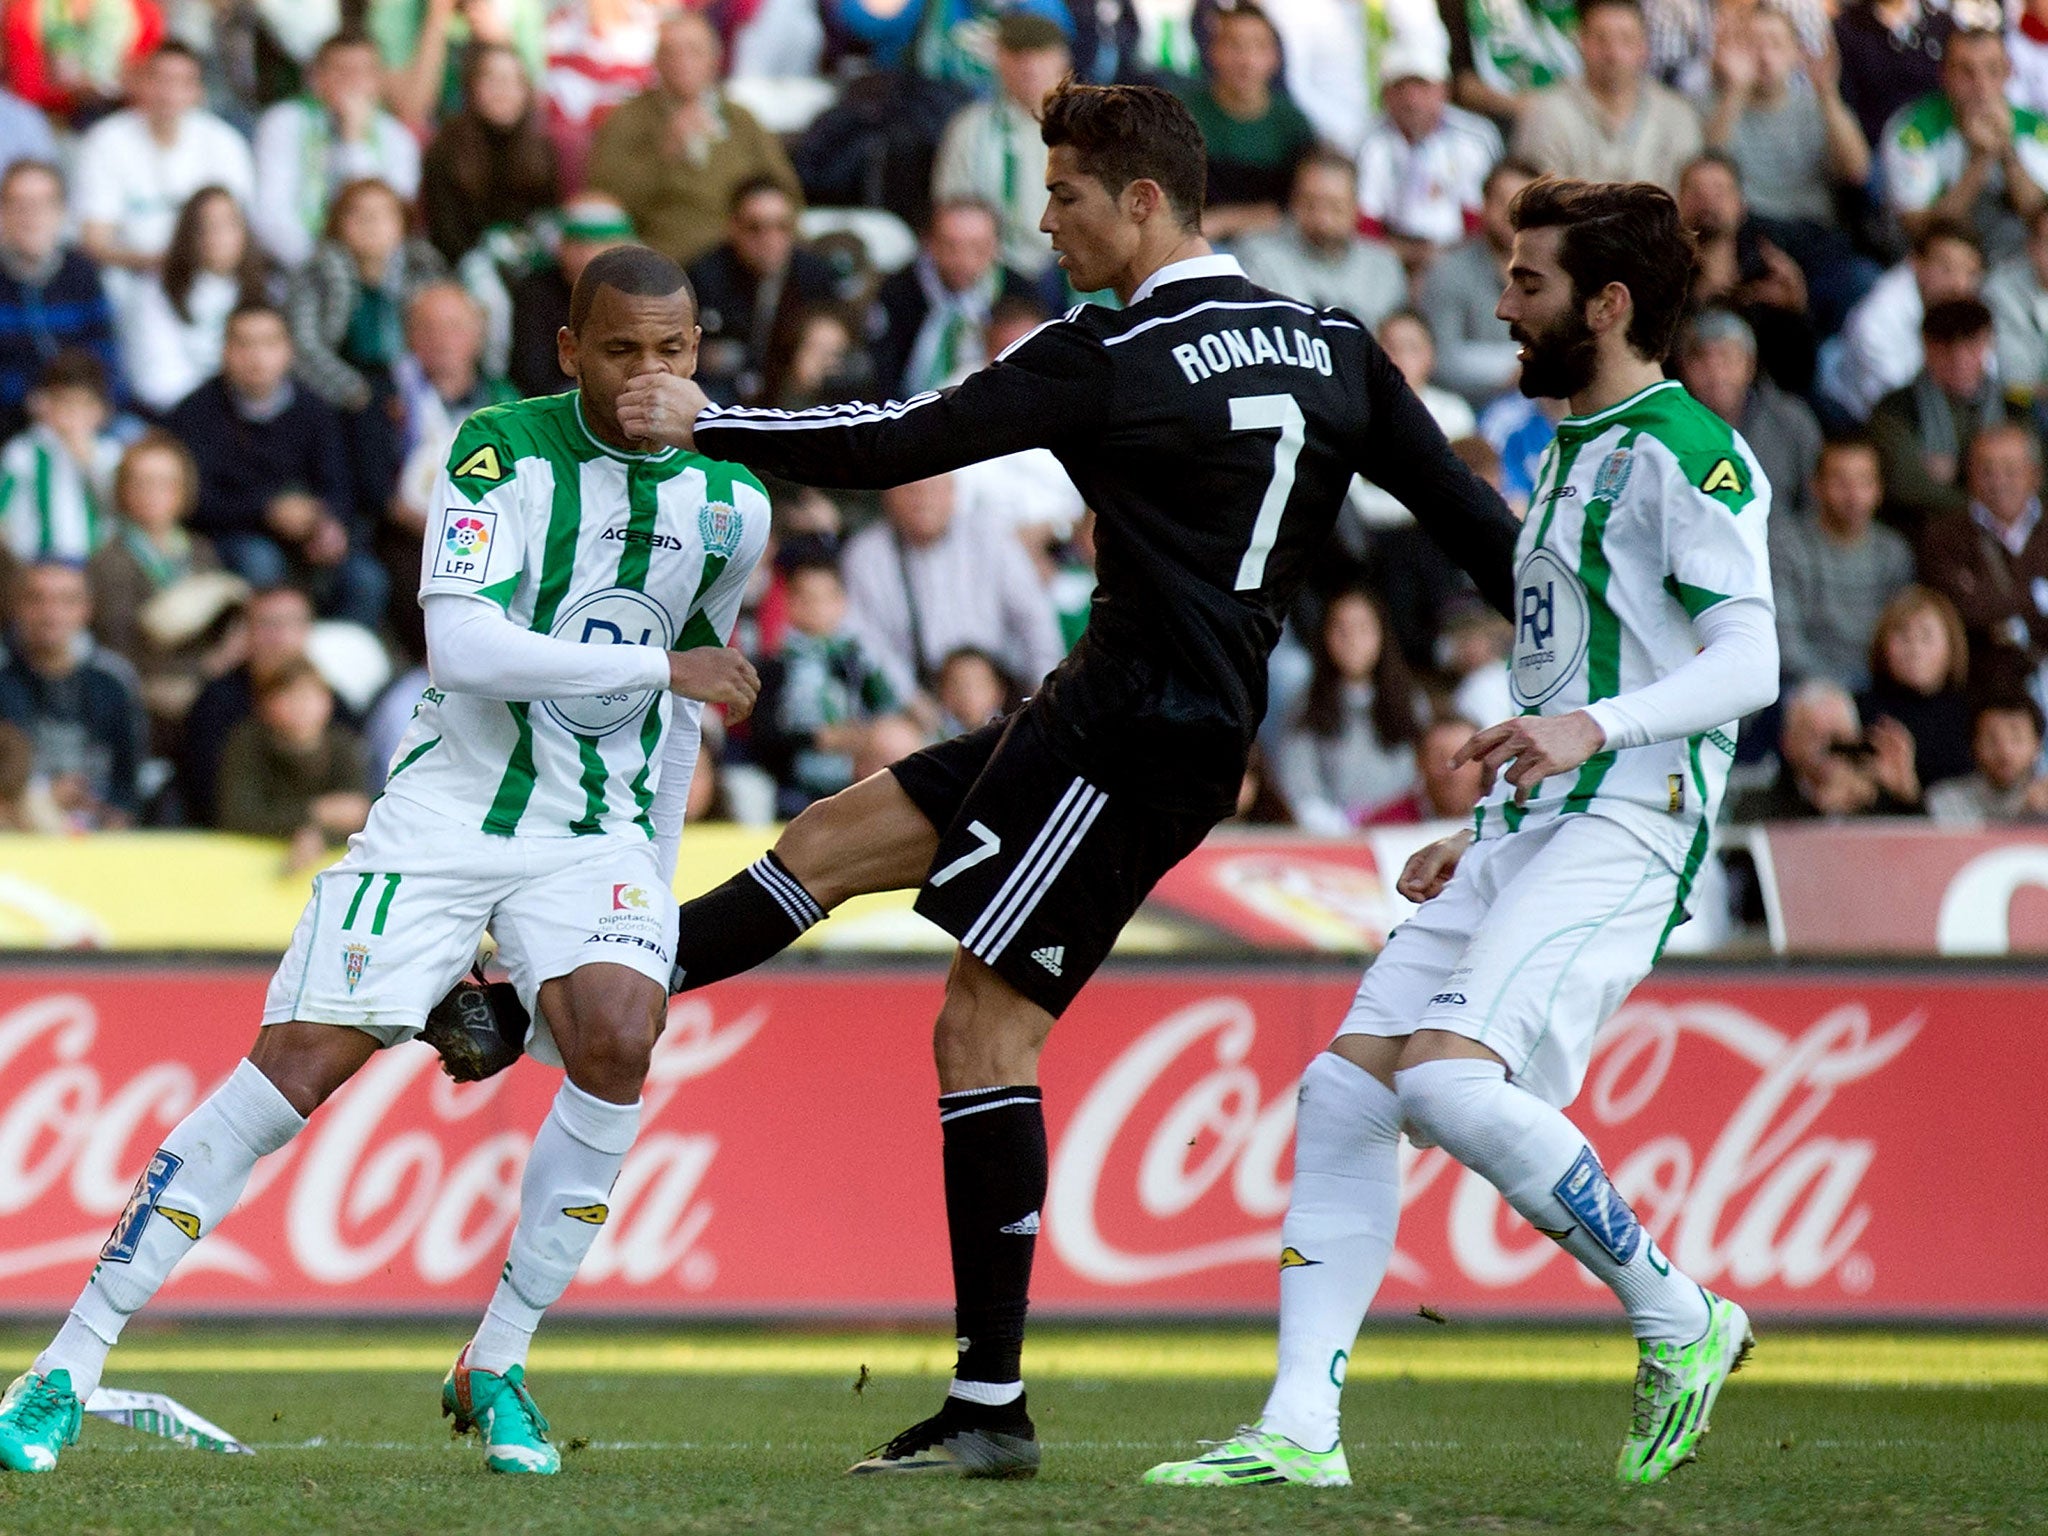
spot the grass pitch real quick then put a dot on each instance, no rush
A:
(721, 1430)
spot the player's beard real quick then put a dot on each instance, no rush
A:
(1561, 360)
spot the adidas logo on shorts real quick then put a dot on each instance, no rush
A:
(1023, 1226)
(1051, 957)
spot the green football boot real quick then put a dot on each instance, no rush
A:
(1256, 1457)
(515, 1435)
(1676, 1385)
(39, 1416)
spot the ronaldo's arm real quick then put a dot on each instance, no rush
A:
(1051, 384)
(1403, 451)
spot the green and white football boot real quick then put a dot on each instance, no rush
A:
(515, 1434)
(39, 1416)
(1256, 1457)
(1676, 1385)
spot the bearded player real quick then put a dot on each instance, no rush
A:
(1644, 632)
(577, 584)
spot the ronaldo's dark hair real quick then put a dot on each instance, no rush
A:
(1625, 232)
(633, 270)
(1127, 133)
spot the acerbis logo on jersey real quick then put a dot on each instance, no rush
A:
(466, 543)
(1551, 631)
(615, 616)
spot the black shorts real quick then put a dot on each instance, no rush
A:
(1038, 869)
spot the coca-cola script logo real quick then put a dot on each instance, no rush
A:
(397, 1169)
(1767, 1196)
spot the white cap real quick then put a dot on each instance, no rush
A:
(1416, 58)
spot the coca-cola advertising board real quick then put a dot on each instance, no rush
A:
(1896, 887)
(1843, 1145)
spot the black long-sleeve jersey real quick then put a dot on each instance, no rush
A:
(1214, 427)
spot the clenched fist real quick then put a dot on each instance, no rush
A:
(662, 408)
(720, 676)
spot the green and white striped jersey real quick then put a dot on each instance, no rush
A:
(1644, 516)
(585, 542)
(50, 507)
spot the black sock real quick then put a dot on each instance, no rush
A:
(754, 916)
(995, 1183)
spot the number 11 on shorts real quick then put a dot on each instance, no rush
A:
(383, 910)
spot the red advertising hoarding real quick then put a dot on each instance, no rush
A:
(1830, 1145)
(1892, 886)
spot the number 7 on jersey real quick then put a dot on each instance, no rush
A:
(1255, 413)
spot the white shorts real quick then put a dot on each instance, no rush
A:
(395, 924)
(1534, 944)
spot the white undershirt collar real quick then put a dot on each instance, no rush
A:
(1213, 265)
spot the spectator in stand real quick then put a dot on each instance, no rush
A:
(1832, 573)
(1919, 671)
(1422, 170)
(138, 168)
(311, 146)
(1891, 56)
(1442, 791)
(51, 299)
(1717, 362)
(24, 132)
(749, 282)
(1503, 51)
(991, 151)
(971, 689)
(1519, 430)
(1350, 748)
(75, 702)
(275, 493)
(1316, 253)
(492, 163)
(674, 155)
(599, 57)
(1991, 561)
(71, 57)
(171, 333)
(931, 578)
(1795, 143)
(439, 382)
(1920, 430)
(1966, 152)
(2016, 292)
(175, 647)
(2005, 744)
(1255, 133)
(931, 319)
(289, 771)
(56, 477)
(590, 226)
(814, 358)
(1474, 354)
(2026, 44)
(1880, 349)
(273, 630)
(1828, 767)
(347, 310)
(1741, 270)
(430, 47)
(1683, 35)
(947, 40)
(1617, 123)
(828, 691)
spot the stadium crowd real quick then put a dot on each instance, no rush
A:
(260, 258)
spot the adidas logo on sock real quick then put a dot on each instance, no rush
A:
(1051, 957)
(1023, 1226)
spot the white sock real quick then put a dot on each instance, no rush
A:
(1541, 1164)
(569, 1176)
(194, 1179)
(1337, 1239)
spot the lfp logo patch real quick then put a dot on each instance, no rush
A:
(466, 543)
